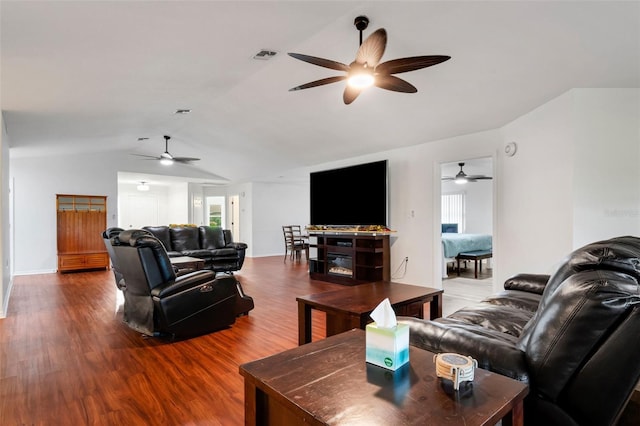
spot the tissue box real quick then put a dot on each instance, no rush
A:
(387, 347)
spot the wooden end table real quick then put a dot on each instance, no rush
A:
(328, 382)
(350, 307)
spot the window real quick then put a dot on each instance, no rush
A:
(453, 209)
(215, 209)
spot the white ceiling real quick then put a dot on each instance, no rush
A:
(94, 76)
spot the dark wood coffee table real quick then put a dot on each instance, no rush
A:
(350, 307)
(328, 382)
(187, 263)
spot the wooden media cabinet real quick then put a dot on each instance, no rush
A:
(350, 258)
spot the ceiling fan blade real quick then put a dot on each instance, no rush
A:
(350, 94)
(185, 159)
(327, 63)
(396, 66)
(372, 49)
(148, 157)
(448, 178)
(394, 83)
(479, 177)
(318, 83)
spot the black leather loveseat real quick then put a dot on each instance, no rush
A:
(212, 244)
(574, 336)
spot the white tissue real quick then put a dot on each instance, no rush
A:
(383, 315)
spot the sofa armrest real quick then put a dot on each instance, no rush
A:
(532, 283)
(237, 246)
(493, 350)
(183, 283)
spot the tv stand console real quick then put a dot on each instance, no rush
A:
(350, 258)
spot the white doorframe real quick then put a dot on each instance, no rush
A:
(234, 217)
(437, 204)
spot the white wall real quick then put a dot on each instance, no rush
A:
(178, 207)
(573, 180)
(535, 207)
(479, 207)
(36, 183)
(274, 205)
(606, 153)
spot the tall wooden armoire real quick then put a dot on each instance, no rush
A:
(81, 221)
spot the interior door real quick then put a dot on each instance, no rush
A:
(139, 211)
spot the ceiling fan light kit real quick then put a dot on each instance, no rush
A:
(143, 186)
(366, 71)
(461, 180)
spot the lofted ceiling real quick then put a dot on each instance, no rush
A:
(94, 76)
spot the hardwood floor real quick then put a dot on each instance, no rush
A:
(66, 357)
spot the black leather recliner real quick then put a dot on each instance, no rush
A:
(106, 236)
(572, 336)
(159, 302)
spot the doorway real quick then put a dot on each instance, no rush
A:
(216, 211)
(466, 225)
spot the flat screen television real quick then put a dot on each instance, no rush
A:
(350, 196)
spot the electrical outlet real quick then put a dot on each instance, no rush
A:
(406, 259)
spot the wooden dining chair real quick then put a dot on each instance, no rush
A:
(294, 242)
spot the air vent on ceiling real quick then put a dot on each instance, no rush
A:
(265, 54)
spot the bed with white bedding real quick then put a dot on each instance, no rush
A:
(453, 244)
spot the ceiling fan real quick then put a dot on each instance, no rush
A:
(167, 159)
(461, 177)
(366, 70)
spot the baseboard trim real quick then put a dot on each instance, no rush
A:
(38, 272)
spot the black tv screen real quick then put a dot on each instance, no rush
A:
(350, 196)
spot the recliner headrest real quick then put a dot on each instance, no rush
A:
(620, 254)
(112, 232)
(132, 236)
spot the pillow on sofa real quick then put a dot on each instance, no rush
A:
(161, 233)
(184, 238)
(211, 237)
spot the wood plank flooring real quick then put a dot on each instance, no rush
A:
(67, 358)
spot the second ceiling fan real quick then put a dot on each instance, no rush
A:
(366, 70)
(461, 177)
(167, 159)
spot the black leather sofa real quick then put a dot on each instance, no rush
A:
(572, 336)
(157, 302)
(212, 244)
